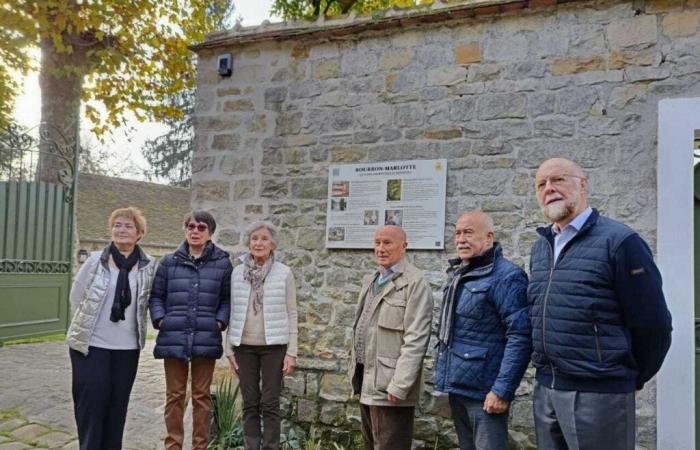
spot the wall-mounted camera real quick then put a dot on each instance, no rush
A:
(224, 64)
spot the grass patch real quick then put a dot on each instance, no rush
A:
(37, 339)
(12, 413)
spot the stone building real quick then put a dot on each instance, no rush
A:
(163, 206)
(495, 87)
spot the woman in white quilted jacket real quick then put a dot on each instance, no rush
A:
(262, 334)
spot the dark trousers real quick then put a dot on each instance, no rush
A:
(387, 427)
(572, 420)
(261, 405)
(477, 429)
(102, 383)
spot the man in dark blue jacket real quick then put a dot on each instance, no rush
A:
(484, 335)
(600, 325)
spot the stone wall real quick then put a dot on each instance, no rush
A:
(495, 94)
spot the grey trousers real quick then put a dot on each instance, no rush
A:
(477, 429)
(571, 420)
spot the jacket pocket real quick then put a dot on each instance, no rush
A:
(385, 369)
(391, 313)
(467, 365)
(390, 327)
(472, 300)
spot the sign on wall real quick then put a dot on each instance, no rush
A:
(363, 197)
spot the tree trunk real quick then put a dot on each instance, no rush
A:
(60, 110)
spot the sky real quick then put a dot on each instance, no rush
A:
(124, 146)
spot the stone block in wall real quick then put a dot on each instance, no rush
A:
(307, 410)
(634, 74)
(254, 209)
(328, 365)
(226, 141)
(409, 115)
(228, 237)
(238, 105)
(468, 53)
(236, 165)
(480, 73)
(295, 384)
(576, 101)
(332, 413)
(312, 383)
(274, 188)
(506, 47)
(454, 133)
(213, 191)
(501, 106)
(568, 66)
(335, 387)
(243, 189)
(202, 164)
(681, 23)
(288, 122)
(304, 89)
(348, 153)
(396, 58)
(627, 32)
(634, 57)
(325, 120)
(309, 188)
(446, 76)
(324, 69)
(553, 127)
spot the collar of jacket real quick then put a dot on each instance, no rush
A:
(547, 233)
(396, 280)
(478, 266)
(143, 259)
(210, 253)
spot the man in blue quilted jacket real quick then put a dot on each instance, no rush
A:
(600, 325)
(484, 336)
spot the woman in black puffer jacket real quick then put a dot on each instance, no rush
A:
(190, 306)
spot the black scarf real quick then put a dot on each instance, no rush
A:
(122, 294)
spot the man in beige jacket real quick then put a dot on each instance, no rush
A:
(390, 337)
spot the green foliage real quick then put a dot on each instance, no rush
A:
(309, 9)
(227, 417)
(132, 54)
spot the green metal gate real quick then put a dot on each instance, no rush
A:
(36, 232)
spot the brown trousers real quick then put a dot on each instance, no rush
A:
(387, 427)
(176, 373)
(261, 407)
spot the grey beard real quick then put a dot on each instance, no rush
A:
(556, 213)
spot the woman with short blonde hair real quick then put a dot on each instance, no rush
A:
(108, 330)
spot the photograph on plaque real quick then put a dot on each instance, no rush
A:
(409, 194)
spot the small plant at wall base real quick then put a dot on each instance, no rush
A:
(227, 433)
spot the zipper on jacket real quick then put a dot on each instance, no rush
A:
(597, 342)
(544, 315)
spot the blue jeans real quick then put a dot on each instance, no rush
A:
(477, 429)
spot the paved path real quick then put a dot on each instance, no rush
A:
(35, 380)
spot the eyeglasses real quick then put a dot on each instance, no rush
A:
(198, 226)
(555, 180)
